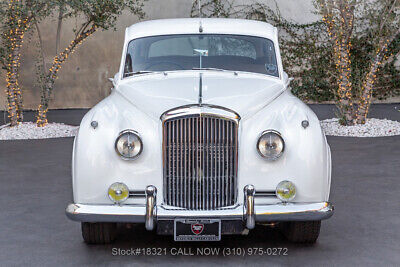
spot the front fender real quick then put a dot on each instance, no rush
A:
(306, 160)
(96, 165)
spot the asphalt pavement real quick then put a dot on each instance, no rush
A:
(35, 187)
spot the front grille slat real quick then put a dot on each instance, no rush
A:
(210, 169)
(192, 177)
(218, 164)
(181, 161)
(233, 166)
(168, 167)
(231, 160)
(196, 184)
(173, 196)
(200, 158)
(223, 164)
(189, 153)
(207, 165)
(203, 175)
(215, 171)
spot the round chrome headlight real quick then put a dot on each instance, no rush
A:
(285, 191)
(270, 145)
(128, 145)
(118, 192)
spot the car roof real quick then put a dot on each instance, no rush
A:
(209, 26)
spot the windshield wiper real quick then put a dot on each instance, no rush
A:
(215, 69)
(137, 72)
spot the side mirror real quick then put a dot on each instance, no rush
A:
(286, 79)
(115, 79)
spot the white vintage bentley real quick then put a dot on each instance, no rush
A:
(201, 137)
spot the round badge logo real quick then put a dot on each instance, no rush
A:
(197, 228)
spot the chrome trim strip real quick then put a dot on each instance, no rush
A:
(137, 194)
(168, 207)
(196, 109)
(263, 213)
(265, 194)
(236, 72)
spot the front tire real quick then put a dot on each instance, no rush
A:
(302, 232)
(98, 233)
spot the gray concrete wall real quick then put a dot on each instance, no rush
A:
(83, 79)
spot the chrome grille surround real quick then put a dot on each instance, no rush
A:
(200, 150)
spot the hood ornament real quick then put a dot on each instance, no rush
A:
(202, 53)
(200, 26)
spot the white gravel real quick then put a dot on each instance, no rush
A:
(372, 128)
(28, 130)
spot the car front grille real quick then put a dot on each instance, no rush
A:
(200, 161)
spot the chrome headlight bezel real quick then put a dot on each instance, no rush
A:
(138, 139)
(260, 139)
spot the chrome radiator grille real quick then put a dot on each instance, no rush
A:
(200, 161)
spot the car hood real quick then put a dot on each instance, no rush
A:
(244, 93)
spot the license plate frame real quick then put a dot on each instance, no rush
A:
(197, 229)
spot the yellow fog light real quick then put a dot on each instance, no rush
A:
(118, 192)
(285, 191)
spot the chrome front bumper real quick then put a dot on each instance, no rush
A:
(249, 213)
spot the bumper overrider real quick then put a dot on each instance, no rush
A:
(249, 212)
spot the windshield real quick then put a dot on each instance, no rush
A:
(201, 51)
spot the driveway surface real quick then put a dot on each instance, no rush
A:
(35, 187)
